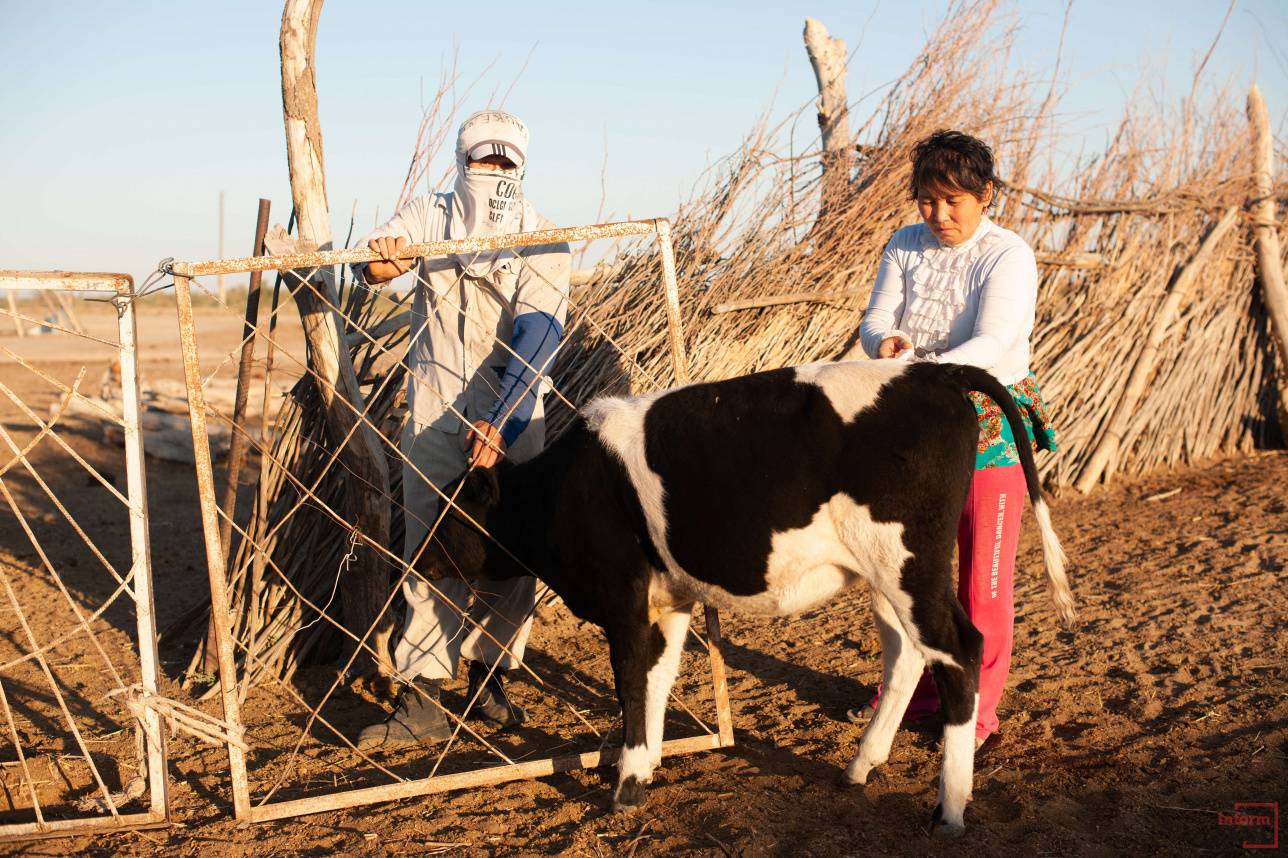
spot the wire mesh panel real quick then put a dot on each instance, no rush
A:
(83, 746)
(287, 584)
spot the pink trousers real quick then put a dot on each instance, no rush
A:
(988, 537)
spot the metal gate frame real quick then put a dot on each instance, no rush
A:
(244, 811)
(120, 288)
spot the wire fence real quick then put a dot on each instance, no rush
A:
(282, 582)
(80, 712)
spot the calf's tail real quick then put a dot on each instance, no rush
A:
(982, 381)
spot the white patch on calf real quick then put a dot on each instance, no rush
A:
(879, 554)
(902, 666)
(634, 762)
(619, 423)
(851, 386)
(661, 676)
(807, 565)
(958, 771)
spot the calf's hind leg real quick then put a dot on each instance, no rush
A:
(951, 633)
(902, 665)
(673, 624)
(646, 658)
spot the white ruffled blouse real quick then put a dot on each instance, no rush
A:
(972, 303)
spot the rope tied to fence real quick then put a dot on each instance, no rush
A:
(215, 731)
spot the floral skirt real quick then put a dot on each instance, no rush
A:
(996, 446)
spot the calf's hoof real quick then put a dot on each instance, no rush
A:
(858, 774)
(943, 828)
(629, 796)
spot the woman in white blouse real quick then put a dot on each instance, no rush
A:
(958, 288)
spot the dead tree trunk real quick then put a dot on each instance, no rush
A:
(1265, 233)
(827, 57)
(366, 585)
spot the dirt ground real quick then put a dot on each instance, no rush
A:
(1135, 733)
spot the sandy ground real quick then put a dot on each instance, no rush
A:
(1131, 734)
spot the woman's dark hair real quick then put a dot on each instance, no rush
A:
(951, 159)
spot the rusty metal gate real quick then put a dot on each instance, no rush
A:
(289, 751)
(78, 654)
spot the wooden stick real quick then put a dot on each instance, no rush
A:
(675, 329)
(382, 330)
(788, 298)
(1159, 205)
(719, 678)
(1265, 224)
(1056, 260)
(13, 311)
(480, 778)
(69, 310)
(599, 274)
(22, 758)
(1108, 447)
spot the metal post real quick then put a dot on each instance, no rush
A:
(323, 258)
(214, 551)
(719, 681)
(680, 368)
(144, 603)
(237, 447)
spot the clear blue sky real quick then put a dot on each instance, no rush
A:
(122, 122)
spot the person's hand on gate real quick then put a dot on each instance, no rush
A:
(893, 347)
(485, 445)
(389, 266)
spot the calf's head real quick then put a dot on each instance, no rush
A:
(463, 545)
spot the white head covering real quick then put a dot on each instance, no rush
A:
(488, 202)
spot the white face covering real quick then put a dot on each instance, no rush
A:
(485, 202)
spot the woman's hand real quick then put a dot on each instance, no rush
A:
(485, 445)
(893, 347)
(390, 265)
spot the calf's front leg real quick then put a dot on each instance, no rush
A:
(628, 648)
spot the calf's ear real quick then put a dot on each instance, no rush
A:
(484, 486)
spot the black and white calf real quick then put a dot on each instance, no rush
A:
(766, 494)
